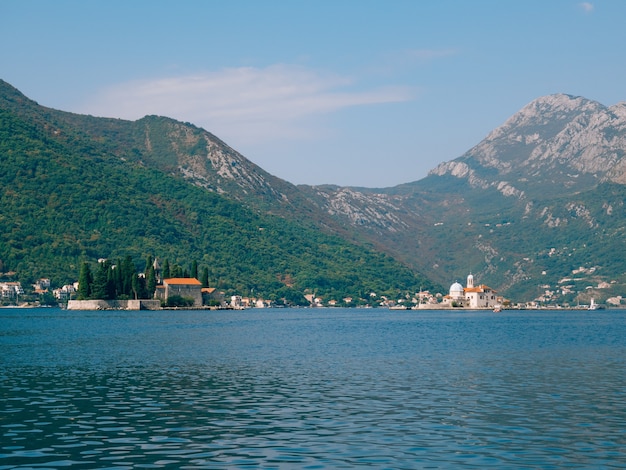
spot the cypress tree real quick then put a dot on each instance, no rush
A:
(150, 282)
(128, 271)
(84, 282)
(194, 269)
(117, 279)
(204, 278)
(111, 289)
(149, 264)
(166, 269)
(135, 286)
(99, 289)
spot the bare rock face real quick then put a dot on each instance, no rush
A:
(555, 139)
(377, 211)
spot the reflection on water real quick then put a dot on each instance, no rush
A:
(312, 389)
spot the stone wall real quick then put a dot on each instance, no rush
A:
(141, 304)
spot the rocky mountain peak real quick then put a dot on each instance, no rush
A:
(540, 120)
(556, 138)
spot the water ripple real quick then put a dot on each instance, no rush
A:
(414, 391)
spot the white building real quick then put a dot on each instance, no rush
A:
(10, 290)
(236, 302)
(65, 293)
(472, 296)
(480, 296)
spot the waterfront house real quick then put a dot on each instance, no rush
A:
(236, 302)
(65, 293)
(10, 290)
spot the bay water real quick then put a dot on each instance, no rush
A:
(312, 388)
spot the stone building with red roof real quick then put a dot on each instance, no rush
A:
(185, 287)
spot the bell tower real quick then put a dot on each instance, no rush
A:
(470, 281)
(157, 270)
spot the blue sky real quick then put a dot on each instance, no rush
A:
(348, 92)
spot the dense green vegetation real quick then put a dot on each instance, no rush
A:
(116, 281)
(67, 198)
(525, 247)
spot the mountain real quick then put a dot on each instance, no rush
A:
(536, 209)
(557, 141)
(78, 188)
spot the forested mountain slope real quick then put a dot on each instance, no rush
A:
(75, 188)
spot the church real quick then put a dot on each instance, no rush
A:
(471, 296)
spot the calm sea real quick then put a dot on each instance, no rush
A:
(312, 388)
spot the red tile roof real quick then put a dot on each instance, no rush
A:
(182, 281)
(480, 288)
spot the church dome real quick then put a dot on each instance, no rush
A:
(456, 290)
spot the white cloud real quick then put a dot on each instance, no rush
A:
(587, 7)
(251, 103)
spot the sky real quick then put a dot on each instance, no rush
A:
(349, 92)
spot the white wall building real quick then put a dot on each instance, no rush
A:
(10, 290)
(480, 296)
(472, 296)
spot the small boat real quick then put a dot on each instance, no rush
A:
(497, 309)
(594, 306)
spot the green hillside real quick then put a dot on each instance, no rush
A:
(566, 245)
(68, 197)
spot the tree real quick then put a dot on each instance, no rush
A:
(149, 264)
(116, 277)
(127, 273)
(194, 269)
(135, 286)
(176, 271)
(99, 286)
(111, 287)
(47, 298)
(84, 282)
(204, 278)
(178, 301)
(292, 296)
(166, 269)
(150, 282)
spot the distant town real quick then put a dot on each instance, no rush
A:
(189, 293)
